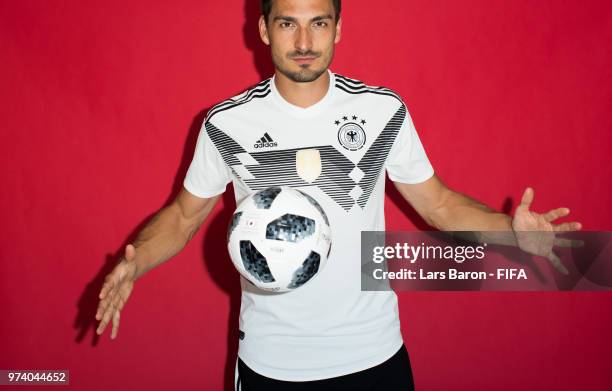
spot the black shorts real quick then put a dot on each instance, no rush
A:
(394, 374)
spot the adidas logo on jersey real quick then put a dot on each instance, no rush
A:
(265, 142)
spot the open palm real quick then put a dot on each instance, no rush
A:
(536, 234)
(118, 286)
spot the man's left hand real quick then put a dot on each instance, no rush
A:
(536, 234)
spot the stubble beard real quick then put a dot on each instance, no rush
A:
(306, 74)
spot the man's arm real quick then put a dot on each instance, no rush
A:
(448, 210)
(170, 229)
(164, 236)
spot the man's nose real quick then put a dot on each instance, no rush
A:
(303, 41)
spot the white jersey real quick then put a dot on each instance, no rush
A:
(328, 327)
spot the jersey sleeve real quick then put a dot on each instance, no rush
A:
(407, 161)
(208, 175)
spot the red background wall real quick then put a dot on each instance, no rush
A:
(101, 103)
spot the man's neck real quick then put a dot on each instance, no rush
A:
(302, 94)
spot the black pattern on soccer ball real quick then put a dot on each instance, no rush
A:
(308, 269)
(316, 205)
(233, 224)
(263, 199)
(290, 228)
(254, 262)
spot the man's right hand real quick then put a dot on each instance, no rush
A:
(116, 290)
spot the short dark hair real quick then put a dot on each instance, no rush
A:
(266, 7)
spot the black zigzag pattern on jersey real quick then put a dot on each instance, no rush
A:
(277, 168)
(353, 86)
(261, 90)
(373, 160)
(226, 146)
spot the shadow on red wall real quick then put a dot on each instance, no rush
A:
(213, 248)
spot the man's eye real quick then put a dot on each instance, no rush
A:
(320, 24)
(286, 24)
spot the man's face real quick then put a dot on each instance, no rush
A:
(301, 35)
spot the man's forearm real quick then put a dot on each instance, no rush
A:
(462, 213)
(164, 236)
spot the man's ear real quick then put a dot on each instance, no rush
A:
(263, 30)
(338, 30)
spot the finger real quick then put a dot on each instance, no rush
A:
(117, 301)
(115, 330)
(118, 276)
(108, 298)
(556, 213)
(116, 286)
(109, 281)
(104, 305)
(101, 309)
(121, 302)
(527, 198)
(567, 227)
(564, 242)
(104, 322)
(130, 252)
(556, 262)
(106, 317)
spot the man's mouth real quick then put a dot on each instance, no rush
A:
(303, 58)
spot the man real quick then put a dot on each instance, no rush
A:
(327, 334)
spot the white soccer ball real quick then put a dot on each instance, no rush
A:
(279, 238)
